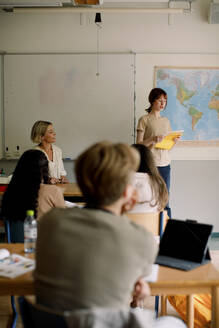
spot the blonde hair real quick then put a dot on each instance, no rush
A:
(104, 170)
(38, 130)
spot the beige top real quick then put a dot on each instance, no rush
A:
(152, 126)
(49, 196)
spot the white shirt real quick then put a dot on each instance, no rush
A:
(56, 166)
(145, 195)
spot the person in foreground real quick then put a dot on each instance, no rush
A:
(29, 189)
(151, 129)
(44, 135)
(95, 257)
(152, 190)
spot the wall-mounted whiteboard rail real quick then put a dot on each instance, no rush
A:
(64, 89)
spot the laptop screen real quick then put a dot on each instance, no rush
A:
(185, 240)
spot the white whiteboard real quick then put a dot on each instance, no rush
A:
(64, 89)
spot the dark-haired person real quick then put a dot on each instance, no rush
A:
(44, 135)
(152, 190)
(151, 129)
(29, 189)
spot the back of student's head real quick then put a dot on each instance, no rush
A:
(22, 192)
(104, 170)
(147, 165)
(38, 130)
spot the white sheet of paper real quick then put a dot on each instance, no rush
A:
(153, 275)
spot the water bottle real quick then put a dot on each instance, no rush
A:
(30, 232)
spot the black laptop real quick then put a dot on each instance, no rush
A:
(184, 244)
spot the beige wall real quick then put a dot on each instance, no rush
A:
(120, 32)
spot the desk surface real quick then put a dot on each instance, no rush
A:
(22, 285)
(69, 189)
(202, 278)
(198, 280)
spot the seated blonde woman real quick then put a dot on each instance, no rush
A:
(44, 135)
(151, 188)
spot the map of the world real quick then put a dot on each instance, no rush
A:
(193, 100)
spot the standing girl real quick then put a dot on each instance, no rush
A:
(151, 129)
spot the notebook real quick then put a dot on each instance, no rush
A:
(169, 140)
(184, 244)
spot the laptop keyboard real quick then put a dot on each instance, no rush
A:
(176, 263)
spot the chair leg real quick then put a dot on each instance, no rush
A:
(157, 305)
(14, 312)
(163, 305)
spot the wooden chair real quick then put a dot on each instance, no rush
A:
(154, 222)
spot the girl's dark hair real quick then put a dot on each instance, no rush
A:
(158, 186)
(22, 192)
(153, 95)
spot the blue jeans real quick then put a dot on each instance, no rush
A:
(165, 173)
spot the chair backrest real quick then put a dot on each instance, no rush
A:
(37, 316)
(14, 231)
(154, 222)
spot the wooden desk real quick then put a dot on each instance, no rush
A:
(22, 285)
(204, 279)
(70, 190)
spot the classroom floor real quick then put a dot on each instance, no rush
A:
(5, 305)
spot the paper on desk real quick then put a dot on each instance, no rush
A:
(70, 204)
(153, 275)
(15, 265)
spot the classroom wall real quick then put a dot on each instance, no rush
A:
(195, 183)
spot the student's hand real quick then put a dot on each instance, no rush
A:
(141, 290)
(157, 139)
(54, 181)
(63, 179)
(176, 139)
(128, 206)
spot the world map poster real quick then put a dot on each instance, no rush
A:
(193, 102)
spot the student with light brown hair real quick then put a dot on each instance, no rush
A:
(93, 256)
(44, 135)
(92, 260)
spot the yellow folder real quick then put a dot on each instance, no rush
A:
(168, 141)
